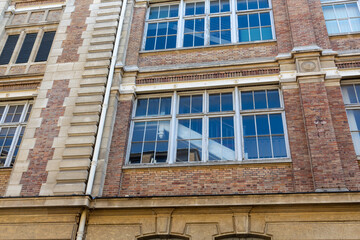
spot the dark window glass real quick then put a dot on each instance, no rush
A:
(8, 49)
(26, 48)
(45, 46)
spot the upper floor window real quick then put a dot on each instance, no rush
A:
(226, 125)
(13, 119)
(351, 96)
(26, 46)
(341, 16)
(209, 22)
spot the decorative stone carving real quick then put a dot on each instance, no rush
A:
(307, 65)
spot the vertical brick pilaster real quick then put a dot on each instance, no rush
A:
(301, 26)
(343, 138)
(118, 148)
(282, 26)
(43, 151)
(303, 180)
(325, 158)
(136, 34)
(318, 23)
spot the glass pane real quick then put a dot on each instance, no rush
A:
(138, 133)
(249, 126)
(172, 28)
(165, 107)
(154, 13)
(174, 9)
(214, 6)
(332, 27)
(266, 33)
(141, 107)
(200, 8)
(225, 37)
(226, 102)
(348, 92)
(357, 89)
(196, 128)
(344, 26)
(241, 5)
(214, 23)
(184, 105)
(225, 23)
(215, 149)
(340, 11)
(214, 103)
(252, 4)
(163, 131)
(190, 9)
(182, 151)
(214, 127)
(243, 21)
(184, 129)
(196, 104)
(355, 24)
(162, 28)
(264, 147)
(328, 12)
(228, 150)
(195, 150)
(243, 35)
(189, 26)
(247, 100)
(353, 10)
(199, 39)
(135, 153)
(356, 140)
(8, 49)
(160, 43)
(2, 108)
(45, 46)
(161, 152)
(214, 38)
(279, 147)
(354, 119)
(250, 148)
(199, 24)
(276, 124)
(227, 127)
(255, 34)
(188, 40)
(171, 42)
(254, 20)
(26, 48)
(148, 152)
(153, 108)
(263, 4)
(150, 132)
(164, 12)
(28, 113)
(265, 19)
(224, 5)
(260, 99)
(273, 98)
(262, 125)
(150, 44)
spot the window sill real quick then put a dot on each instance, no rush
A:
(344, 34)
(215, 163)
(207, 47)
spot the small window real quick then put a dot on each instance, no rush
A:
(45, 46)
(13, 119)
(8, 49)
(26, 48)
(341, 16)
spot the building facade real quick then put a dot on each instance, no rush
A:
(190, 119)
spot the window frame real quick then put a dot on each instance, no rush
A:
(237, 115)
(338, 2)
(233, 14)
(21, 124)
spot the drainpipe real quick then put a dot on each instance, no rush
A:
(105, 105)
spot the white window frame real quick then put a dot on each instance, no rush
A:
(19, 126)
(233, 13)
(337, 2)
(236, 113)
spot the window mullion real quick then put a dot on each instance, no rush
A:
(233, 21)
(237, 126)
(173, 127)
(180, 33)
(13, 146)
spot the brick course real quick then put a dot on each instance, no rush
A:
(4, 179)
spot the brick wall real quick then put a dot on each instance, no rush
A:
(4, 179)
(318, 23)
(282, 26)
(345, 42)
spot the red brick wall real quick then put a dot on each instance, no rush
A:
(118, 149)
(345, 42)
(343, 138)
(282, 26)
(303, 180)
(38, 157)
(318, 23)
(4, 179)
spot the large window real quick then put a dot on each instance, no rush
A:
(13, 119)
(24, 47)
(341, 16)
(209, 22)
(208, 126)
(351, 96)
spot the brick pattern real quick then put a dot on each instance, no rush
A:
(318, 23)
(345, 42)
(136, 33)
(4, 179)
(303, 181)
(204, 76)
(38, 157)
(343, 138)
(74, 32)
(282, 26)
(325, 159)
(118, 149)
(30, 3)
(209, 54)
(345, 65)
(17, 87)
(205, 180)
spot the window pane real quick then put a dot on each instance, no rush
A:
(141, 107)
(262, 125)
(241, 5)
(224, 5)
(164, 12)
(344, 26)
(328, 12)
(189, 26)
(214, 128)
(260, 99)
(135, 153)
(174, 10)
(26, 48)
(196, 128)
(195, 150)
(199, 25)
(196, 105)
(276, 124)
(225, 37)
(279, 147)
(161, 152)
(215, 149)
(154, 13)
(160, 42)
(340, 11)
(255, 34)
(252, 4)
(225, 23)
(214, 103)
(184, 129)
(171, 42)
(354, 119)
(353, 10)
(148, 152)
(250, 148)
(200, 8)
(150, 132)
(357, 89)
(355, 24)
(249, 126)
(348, 92)
(266, 33)
(356, 140)
(243, 21)
(247, 100)
(273, 98)
(163, 131)
(214, 38)
(190, 9)
(172, 28)
(227, 127)
(188, 40)
(165, 107)
(150, 44)
(162, 28)
(2, 108)
(263, 4)
(265, 19)
(8, 49)
(138, 133)
(182, 151)
(214, 6)
(151, 31)
(332, 27)
(254, 20)
(226, 102)
(228, 150)
(45, 46)
(199, 39)
(243, 35)
(214, 23)
(153, 108)
(184, 105)
(264, 147)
